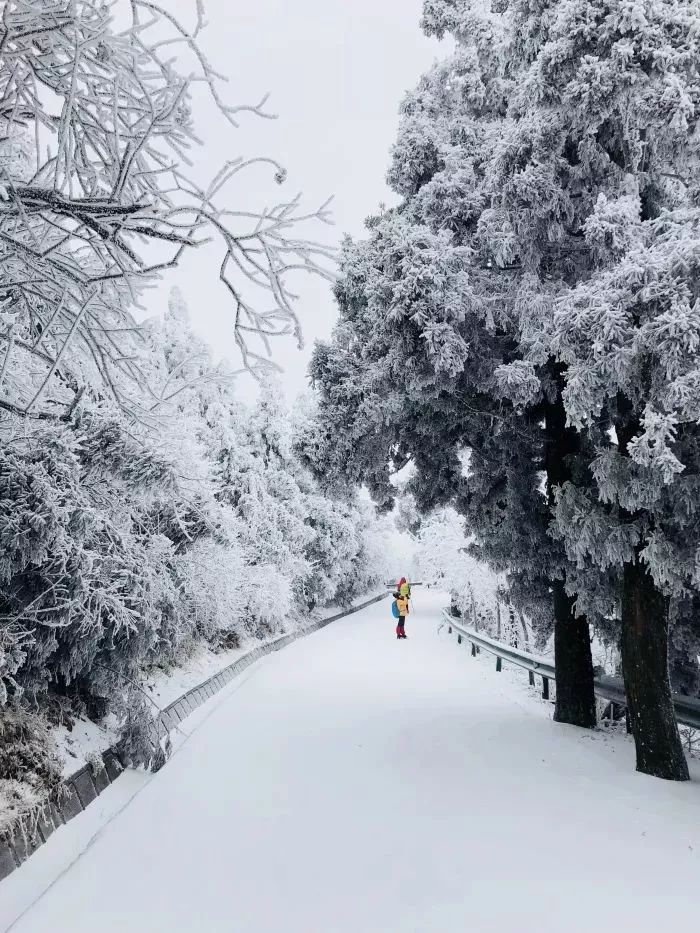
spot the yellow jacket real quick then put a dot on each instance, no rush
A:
(405, 589)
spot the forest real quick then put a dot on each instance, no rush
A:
(512, 385)
(145, 509)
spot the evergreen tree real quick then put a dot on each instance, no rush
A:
(426, 360)
(600, 162)
(532, 300)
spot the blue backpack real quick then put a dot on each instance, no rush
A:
(395, 610)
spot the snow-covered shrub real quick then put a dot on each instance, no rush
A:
(138, 746)
(443, 558)
(375, 560)
(29, 766)
(78, 564)
(330, 552)
(268, 600)
(25, 749)
(214, 588)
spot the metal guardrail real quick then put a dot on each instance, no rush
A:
(22, 837)
(608, 688)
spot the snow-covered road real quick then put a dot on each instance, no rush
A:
(356, 783)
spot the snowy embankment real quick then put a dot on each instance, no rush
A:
(84, 738)
(355, 783)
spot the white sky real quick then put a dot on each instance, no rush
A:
(336, 71)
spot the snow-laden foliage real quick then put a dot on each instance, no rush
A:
(97, 198)
(143, 509)
(423, 364)
(532, 300)
(28, 766)
(124, 547)
(443, 558)
(631, 335)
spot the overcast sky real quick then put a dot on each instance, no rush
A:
(336, 71)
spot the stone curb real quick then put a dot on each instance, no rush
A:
(79, 790)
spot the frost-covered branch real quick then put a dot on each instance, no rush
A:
(96, 140)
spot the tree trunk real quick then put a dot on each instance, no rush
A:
(644, 650)
(523, 626)
(644, 645)
(575, 702)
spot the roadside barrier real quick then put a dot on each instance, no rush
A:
(608, 688)
(79, 790)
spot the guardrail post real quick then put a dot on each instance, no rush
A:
(531, 678)
(545, 688)
(459, 639)
(473, 650)
(449, 629)
(498, 664)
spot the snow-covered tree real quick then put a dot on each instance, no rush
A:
(531, 300)
(443, 558)
(96, 200)
(144, 510)
(421, 365)
(598, 171)
(125, 546)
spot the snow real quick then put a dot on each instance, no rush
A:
(355, 783)
(164, 687)
(77, 744)
(48, 864)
